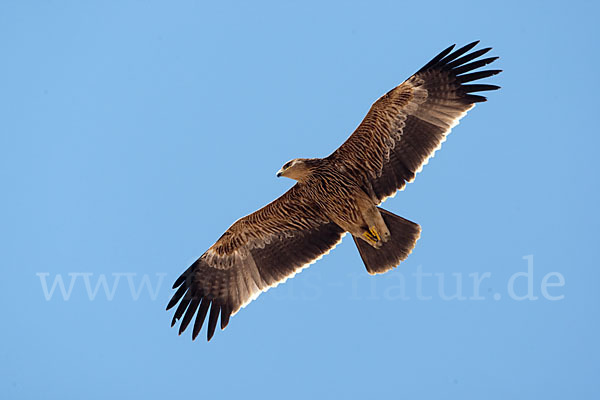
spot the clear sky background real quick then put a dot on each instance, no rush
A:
(133, 133)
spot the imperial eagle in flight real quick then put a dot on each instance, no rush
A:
(337, 194)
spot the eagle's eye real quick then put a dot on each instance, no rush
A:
(287, 165)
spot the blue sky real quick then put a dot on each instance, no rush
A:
(133, 133)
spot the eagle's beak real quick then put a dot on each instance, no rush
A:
(279, 173)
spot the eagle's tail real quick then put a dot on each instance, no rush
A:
(404, 236)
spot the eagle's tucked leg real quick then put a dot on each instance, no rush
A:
(377, 232)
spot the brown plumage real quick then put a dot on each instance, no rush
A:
(337, 194)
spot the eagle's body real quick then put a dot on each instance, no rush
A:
(337, 194)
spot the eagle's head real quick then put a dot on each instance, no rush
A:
(298, 169)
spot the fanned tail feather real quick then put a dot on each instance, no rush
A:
(404, 236)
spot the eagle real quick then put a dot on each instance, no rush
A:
(337, 194)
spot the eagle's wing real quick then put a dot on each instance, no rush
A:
(405, 127)
(256, 253)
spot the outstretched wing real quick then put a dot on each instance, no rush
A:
(405, 127)
(256, 253)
